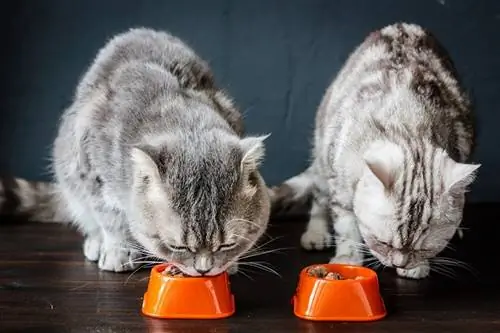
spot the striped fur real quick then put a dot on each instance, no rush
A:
(393, 135)
(30, 201)
(150, 161)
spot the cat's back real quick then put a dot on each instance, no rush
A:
(136, 45)
(400, 67)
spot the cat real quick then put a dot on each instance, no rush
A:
(150, 158)
(393, 134)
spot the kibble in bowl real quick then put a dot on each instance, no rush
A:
(338, 292)
(172, 271)
(321, 272)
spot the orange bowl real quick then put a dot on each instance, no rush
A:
(356, 298)
(187, 297)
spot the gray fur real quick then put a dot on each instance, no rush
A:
(393, 133)
(150, 158)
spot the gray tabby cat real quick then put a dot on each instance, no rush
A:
(393, 134)
(150, 156)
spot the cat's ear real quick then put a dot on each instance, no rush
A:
(384, 160)
(459, 176)
(145, 170)
(253, 149)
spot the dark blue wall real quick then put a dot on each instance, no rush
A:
(275, 57)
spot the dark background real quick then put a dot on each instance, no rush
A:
(276, 58)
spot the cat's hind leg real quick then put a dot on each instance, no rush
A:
(104, 229)
(82, 218)
(293, 194)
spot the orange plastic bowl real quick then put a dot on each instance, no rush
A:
(351, 299)
(187, 297)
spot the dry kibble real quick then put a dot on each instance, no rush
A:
(334, 276)
(322, 272)
(173, 271)
(318, 271)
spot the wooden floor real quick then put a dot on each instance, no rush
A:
(46, 286)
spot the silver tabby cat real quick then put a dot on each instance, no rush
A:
(150, 156)
(393, 135)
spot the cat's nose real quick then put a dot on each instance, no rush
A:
(399, 260)
(202, 271)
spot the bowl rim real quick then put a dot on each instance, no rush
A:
(158, 269)
(371, 272)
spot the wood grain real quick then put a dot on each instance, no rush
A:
(47, 286)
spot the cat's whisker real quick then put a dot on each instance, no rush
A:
(260, 265)
(141, 258)
(267, 242)
(452, 262)
(145, 262)
(242, 237)
(143, 279)
(377, 265)
(242, 272)
(450, 247)
(259, 248)
(370, 260)
(135, 271)
(444, 271)
(256, 254)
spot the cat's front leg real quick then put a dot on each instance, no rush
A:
(420, 272)
(92, 245)
(317, 236)
(347, 237)
(91, 229)
(116, 251)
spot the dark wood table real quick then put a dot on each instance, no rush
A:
(47, 286)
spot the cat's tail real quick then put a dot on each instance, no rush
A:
(293, 195)
(30, 201)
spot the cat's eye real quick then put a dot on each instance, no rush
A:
(177, 248)
(384, 243)
(227, 246)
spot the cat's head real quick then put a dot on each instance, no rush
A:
(199, 202)
(409, 202)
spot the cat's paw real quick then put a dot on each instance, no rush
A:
(419, 272)
(92, 247)
(354, 259)
(233, 269)
(118, 259)
(314, 239)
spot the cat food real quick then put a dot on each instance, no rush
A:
(173, 271)
(322, 273)
(334, 276)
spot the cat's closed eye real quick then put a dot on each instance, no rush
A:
(226, 247)
(177, 248)
(384, 243)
